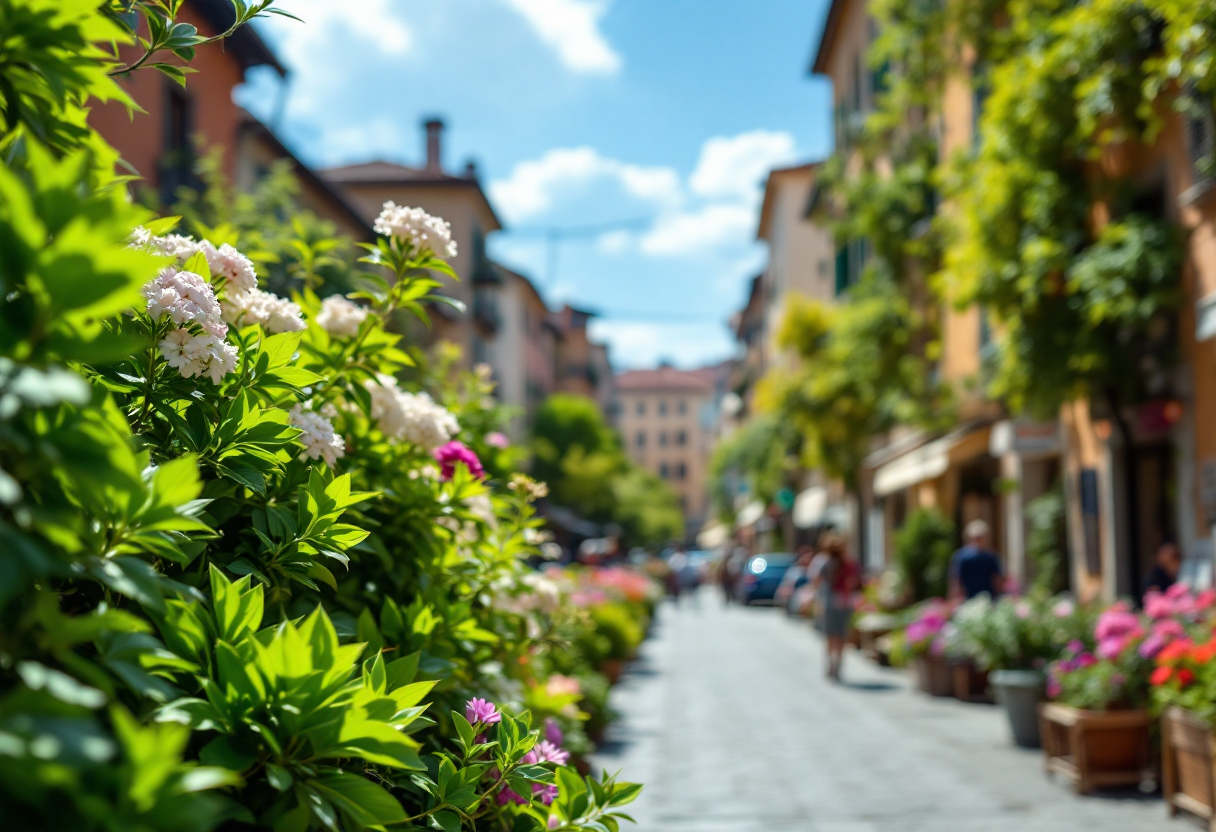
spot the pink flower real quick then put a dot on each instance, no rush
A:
(509, 795)
(559, 685)
(457, 452)
(1205, 599)
(547, 752)
(1158, 605)
(1062, 609)
(497, 439)
(481, 712)
(546, 791)
(554, 822)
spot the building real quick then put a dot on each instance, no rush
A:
(666, 418)
(527, 331)
(583, 366)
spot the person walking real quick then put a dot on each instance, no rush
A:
(835, 581)
(1164, 573)
(974, 568)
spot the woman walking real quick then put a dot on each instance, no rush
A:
(835, 581)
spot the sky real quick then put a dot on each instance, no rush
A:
(623, 143)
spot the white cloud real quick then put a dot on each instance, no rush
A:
(614, 242)
(710, 227)
(643, 344)
(534, 185)
(735, 166)
(572, 28)
(372, 21)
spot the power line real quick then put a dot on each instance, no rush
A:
(556, 234)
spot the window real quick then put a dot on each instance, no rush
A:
(682, 407)
(663, 470)
(663, 408)
(681, 438)
(640, 439)
(681, 471)
(641, 408)
(662, 439)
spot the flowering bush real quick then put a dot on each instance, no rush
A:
(927, 632)
(1018, 633)
(237, 587)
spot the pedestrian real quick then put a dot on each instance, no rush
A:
(675, 574)
(974, 568)
(732, 567)
(834, 583)
(1164, 573)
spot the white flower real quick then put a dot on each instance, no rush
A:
(417, 227)
(318, 438)
(340, 317)
(230, 264)
(414, 417)
(186, 298)
(257, 307)
(198, 355)
(140, 238)
(175, 245)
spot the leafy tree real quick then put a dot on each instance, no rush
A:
(923, 547)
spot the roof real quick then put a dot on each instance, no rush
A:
(819, 65)
(380, 172)
(766, 208)
(245, 44)
(250, 124)
(525, 281)
(663, 378)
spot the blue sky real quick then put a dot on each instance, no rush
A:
(645, 126)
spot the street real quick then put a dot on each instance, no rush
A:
(727, 719)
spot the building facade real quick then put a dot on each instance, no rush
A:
(666, 418)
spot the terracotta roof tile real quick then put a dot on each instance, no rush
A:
(664, 378)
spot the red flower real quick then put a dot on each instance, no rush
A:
(1161, 676)
(1185, 677)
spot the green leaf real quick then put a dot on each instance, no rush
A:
(361, 800)
(446, 821)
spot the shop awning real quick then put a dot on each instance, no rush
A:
(749, 514)
(810, 506)
(713, 537)
(929, 461)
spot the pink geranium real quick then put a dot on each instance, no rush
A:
(454, 453)
(1118, 627)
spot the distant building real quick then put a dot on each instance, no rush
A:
(529, 336)
(666, 418)
(583, 366)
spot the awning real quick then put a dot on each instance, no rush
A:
(749, 514)
(809, 506)
(929, 461)
(713, 537)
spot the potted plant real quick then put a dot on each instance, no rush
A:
(924, 643)
(1012, 640)
(1183, 685)
(1096, 729)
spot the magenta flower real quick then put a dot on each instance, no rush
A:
(1075, 646)
(497, 439)
(481, 712)
(553, 732)
(457, 452)
(547, 752)
(509, 795)
(546, 791)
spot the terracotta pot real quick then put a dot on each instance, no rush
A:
(1186, 764)
(970, 683)
(1096, 748)
(933, 676)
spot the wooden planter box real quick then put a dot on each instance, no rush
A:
(970, 683)
(1186, 764)
(612, 668)
(934, 676)
(1096, 748)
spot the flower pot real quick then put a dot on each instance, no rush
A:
(1019, 692)
(970, 683)
(873, 645)
(933, 676)
(1096, 748)
(1186, 764)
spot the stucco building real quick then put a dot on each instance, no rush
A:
(666, 419)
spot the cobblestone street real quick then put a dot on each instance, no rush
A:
(728, 720)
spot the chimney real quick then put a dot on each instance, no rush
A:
(470, 170)
(434, 145)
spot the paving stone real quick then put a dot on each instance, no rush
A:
(727, 718)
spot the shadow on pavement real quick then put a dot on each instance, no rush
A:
(870, 687)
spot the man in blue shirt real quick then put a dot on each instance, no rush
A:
(974, 569)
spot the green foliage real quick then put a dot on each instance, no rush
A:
(620, 627)
(238, 591)
(1047, 541)
(923, 547)
(580, 457)
(755, 460)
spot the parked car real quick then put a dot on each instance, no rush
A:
(762, 574)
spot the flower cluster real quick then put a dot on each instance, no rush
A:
(453, 453)
(416, 227)
(229, 265)
(926, 633)
(202, 354)
(480, 712)
(272, 312)
(1179, 603)
(340, 317)
(1118, 628)
(413, 417)
(197, 346)
(318, 437)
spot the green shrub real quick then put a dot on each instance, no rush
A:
(620, 627)
(922, 553)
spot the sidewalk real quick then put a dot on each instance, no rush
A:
(728, 720)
